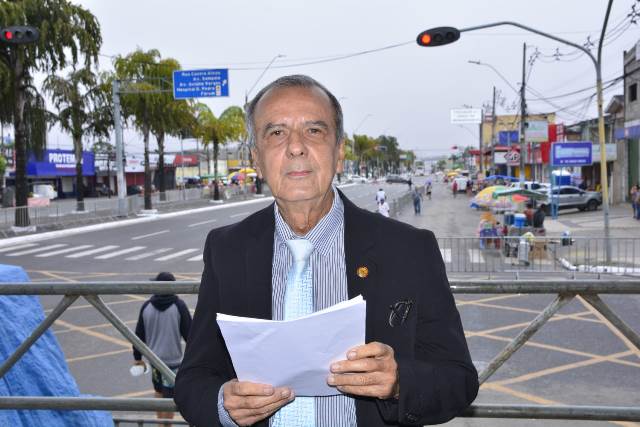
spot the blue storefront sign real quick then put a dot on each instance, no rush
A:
(577, 153)
(60, 163)
(508, 137)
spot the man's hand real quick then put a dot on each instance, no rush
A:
(370, 370)
(247, 403)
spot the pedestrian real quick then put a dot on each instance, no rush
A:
(380, 195)
(383, 208)
(163, 319)
(428, 190)
(417, 200)
(410, 183)
(454, 188)
(633, 195)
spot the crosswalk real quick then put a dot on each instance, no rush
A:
(100, 252)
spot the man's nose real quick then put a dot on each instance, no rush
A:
(296, 145)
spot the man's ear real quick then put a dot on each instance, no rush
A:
(341, 154)
(257, 161)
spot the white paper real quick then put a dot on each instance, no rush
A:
(294, 353)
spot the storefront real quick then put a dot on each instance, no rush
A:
(58, 167)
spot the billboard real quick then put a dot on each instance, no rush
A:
(465, 116)
(536, 131)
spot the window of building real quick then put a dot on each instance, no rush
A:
(633, 92)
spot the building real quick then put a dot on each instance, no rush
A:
(629, 132)
(506, 134)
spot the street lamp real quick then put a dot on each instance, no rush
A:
(243, 145)
(445, 35)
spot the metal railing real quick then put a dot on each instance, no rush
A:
(513, 254)
(565, 291)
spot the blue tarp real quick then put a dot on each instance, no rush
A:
(42, 371)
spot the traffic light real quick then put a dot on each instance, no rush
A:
(438, 36)
(19, 34)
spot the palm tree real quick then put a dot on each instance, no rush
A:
(230, 126)
(66, 32)
(83, 109)
(139, 71)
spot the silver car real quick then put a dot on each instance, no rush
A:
(572, 197)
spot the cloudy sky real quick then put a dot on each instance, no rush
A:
(406, 91)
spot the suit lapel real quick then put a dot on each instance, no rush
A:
(258, 264)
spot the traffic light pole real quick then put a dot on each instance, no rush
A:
(597, 63)
(523, 116)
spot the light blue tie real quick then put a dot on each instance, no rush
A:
(298, 301)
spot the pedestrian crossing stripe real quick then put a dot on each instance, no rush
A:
(93, 251)
(120, 252)
(176, 255)
(148, 254)
(34, 250)
(196, 258)
(15, 248)
(64, 251)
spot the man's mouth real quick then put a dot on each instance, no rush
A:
(298, 174)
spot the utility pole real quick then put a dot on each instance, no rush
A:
(480, 141)
(120, 160)
(523, 115)
(493, 133)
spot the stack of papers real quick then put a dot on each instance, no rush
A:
(294, 353)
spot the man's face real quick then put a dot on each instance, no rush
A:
(296, 150)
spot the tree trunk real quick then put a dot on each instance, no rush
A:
(207, 148)
(216, 191)
(22, 187)
(147, 170)
(162, 184)
(77, 148)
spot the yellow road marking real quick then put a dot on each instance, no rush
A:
(98, 355)
(94, 334)
(487, 299)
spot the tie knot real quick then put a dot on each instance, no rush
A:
(300, 249)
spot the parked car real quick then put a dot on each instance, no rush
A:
(132, 190)
(357, 179)
(572, 197)
(397, 179)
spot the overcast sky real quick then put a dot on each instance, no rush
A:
(406, 91)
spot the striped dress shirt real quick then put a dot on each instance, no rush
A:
(329, 287)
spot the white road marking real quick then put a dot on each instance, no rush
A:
(176, 255)
(64, 251)
(120, 252)
(93, 251)
(15, 248)
(149, 235)
(476, 256)
(195, 224)
(239, 214)
(148, 254)
(42, 249)
(196, 258)
(446, 255)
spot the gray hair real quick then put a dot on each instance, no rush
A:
(297, 80)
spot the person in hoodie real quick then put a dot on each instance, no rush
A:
(162, 321)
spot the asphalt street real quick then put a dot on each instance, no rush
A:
(577, 358)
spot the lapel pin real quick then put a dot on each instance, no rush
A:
(362, 272)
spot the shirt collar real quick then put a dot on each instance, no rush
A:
(322, 234)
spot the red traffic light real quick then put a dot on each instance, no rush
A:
(19, 34)
(438, 36)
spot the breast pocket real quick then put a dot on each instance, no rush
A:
(399, 327)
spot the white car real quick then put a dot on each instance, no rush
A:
(357, 179)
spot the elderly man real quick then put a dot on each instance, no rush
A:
(415, 367)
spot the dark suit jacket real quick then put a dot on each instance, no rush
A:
(437, 378)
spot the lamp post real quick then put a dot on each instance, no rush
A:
(246, 102)
(445, 35)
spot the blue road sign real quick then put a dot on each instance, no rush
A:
(571, 153)
(200, 83)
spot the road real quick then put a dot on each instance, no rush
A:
(577, 358)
